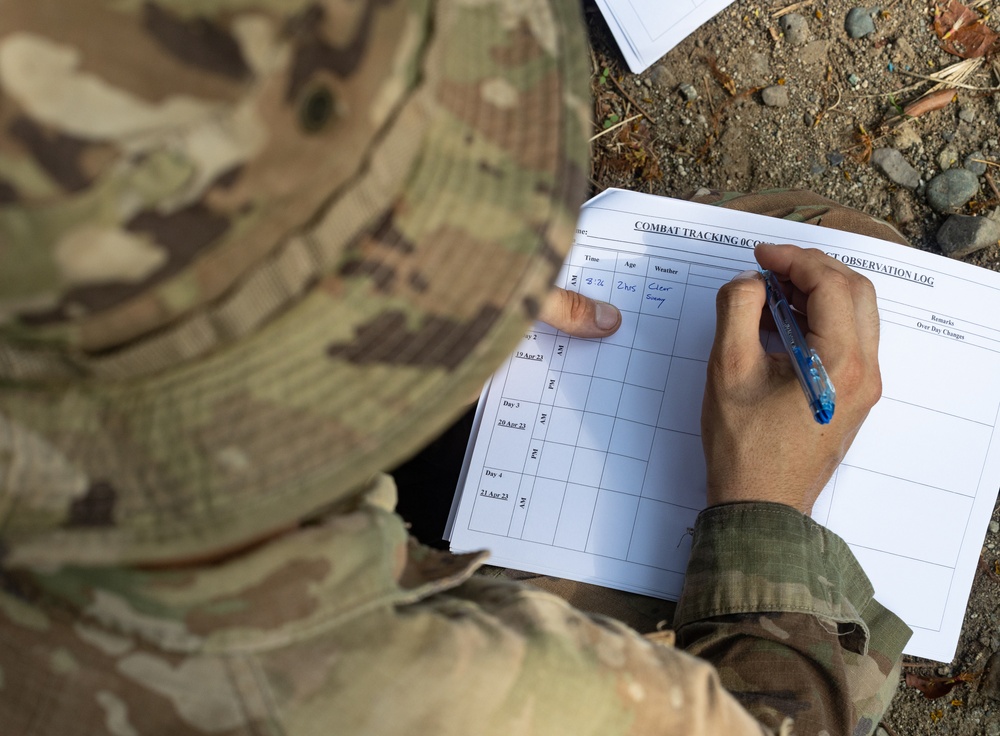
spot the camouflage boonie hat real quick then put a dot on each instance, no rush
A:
(252, 251)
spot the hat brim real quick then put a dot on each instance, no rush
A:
(409, 289)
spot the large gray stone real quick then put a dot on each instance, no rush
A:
(961, 235)
(859, 22)
(951, 189)
(891, 163)
(795, 27)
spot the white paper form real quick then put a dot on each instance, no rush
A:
(647, 29)
(588, 465)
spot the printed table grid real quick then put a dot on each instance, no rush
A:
(582, 467)
(927, 458)
(584, 471)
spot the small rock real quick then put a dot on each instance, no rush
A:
(663, 76)
(688, 92)
(775, 96)
(816, 167)
(947, 158)
(795, 27)
(948, 135)
(836, 158)
(989, 685)
(967, 114)
(859, 23)
(951, 189)
(961, 235)
(809, 119)
(974, 163)
(906, 137)
(902, 210)
(813, 52)
(994, 527)
(760, 66)
(891, 163)
(903, 48)
(853, 79)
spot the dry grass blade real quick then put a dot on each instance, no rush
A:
(953, 75)
(616, 126)
(629, 98)
(942, 91)
(791, 8)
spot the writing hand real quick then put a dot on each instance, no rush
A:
(578, 315)
(760, 439)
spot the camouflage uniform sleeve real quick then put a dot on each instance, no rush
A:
(781, 607)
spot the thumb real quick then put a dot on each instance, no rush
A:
(580, 316)
(738, 307)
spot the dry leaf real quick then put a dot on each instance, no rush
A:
(963, 31)
(720, 76)
(930, 103)
(937, 687)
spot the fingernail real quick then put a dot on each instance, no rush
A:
(748, 274)
(607, 315)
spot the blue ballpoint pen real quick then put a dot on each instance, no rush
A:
(808, 367)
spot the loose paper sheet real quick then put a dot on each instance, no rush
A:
(587, 460)
(647, 29)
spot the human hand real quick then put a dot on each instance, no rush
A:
(578, 315)
(760, 438)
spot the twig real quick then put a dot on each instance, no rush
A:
(708, 96)
(953, 75)
(615, 127)
(635, 104)
(791, 8)
(993, 186)
(984, 161)
(888, 729)
(948, 83)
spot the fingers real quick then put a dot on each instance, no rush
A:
(842, 313)
(580, 316)
(738, 307)
(839, 302)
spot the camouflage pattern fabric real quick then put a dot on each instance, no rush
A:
(345, 626)
(226, 222)
(252, 251)
(802, 206)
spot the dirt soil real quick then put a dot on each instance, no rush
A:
(698, 119)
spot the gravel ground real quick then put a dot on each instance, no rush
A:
(758, 99)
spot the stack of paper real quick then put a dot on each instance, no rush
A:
(647, 29)
(587, 460)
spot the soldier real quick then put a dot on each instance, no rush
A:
(252, 252)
